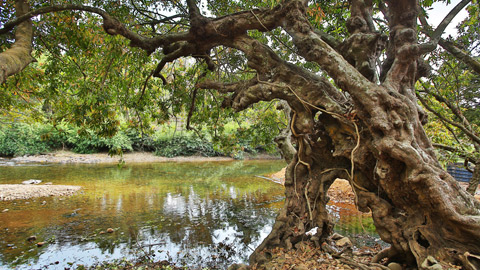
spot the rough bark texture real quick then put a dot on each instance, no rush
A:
(370, 132)
(16, 58)
(475, 180)
(284, 139)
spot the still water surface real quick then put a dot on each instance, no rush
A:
(191, 213)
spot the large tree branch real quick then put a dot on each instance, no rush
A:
(15, 59)
(111, 25)
(49, 9)
(436, 35)
(461, 55)
(313, 48)
(447, 20)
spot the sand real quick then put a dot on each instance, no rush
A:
(64, 157)
(22, 192)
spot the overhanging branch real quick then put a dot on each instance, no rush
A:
(461, 55)
(436, 35)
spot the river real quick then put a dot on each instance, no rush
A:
(194, 213)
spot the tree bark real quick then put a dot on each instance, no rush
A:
(416, 206)
(18, 56)
(284, 139)
(475, 180)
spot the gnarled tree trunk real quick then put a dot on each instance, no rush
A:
(417, 207)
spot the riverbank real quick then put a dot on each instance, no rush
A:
(67, 157)
(24, 192)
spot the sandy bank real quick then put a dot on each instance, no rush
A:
(21, 192)
(64, 157)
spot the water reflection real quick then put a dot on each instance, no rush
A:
(195, 212)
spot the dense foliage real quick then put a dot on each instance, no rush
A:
(30, 139)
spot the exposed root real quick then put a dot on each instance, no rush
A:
(352, 262)
(382, 255)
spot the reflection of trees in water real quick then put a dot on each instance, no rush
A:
(206, 222)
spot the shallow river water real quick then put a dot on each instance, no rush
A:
(200, 214)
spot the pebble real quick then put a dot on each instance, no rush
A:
(31, 182)
(344, 242)
(336, 236)
(395, 266)
(39, 244)
(32, 238)
(110, 230)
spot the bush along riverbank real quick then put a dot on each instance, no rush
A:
(22, 139)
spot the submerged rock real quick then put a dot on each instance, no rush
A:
(32, 238)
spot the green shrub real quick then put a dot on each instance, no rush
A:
(87, 142)
(140, 141)
(184, 145)
(21, 139)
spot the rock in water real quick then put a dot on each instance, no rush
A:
(32, 238)
(110, 230)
